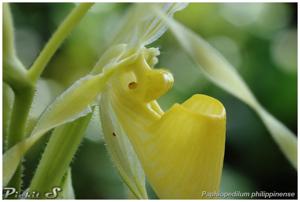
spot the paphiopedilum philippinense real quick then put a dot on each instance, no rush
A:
(181, 150)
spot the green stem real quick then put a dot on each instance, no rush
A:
(23, 82)
(8, 32)
(16, 132)
(58, 37)
(14, 74)
(21, 106)
(7, 96)
(58, 155)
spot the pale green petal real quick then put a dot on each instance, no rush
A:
(121, 151)
(46, 91)
(70, 105)
(215, 67)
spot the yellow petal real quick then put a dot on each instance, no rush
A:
(182, 150)
(185, 156)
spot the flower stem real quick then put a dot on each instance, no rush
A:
(16, 132)
(24, 91)
(14, 74)
(8, 32)
(57, 38)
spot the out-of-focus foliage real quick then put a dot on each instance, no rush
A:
(258, 39)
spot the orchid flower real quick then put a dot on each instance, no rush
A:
(180, 151)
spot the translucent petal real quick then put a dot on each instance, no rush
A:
(142, 27)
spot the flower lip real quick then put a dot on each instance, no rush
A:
(204, 106)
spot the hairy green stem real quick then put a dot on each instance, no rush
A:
(22, 81)
(58, 37)
(16, 132)
(14, 74)
(21, 106)
(58, 155)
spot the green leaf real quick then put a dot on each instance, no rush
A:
(58, 154)
(223, 74)
(70, 105)
(67, 187)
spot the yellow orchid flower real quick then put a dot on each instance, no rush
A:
(181, 151)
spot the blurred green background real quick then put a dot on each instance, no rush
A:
(259, 39)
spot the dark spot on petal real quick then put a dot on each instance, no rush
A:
(114, 134)
(132, 85)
